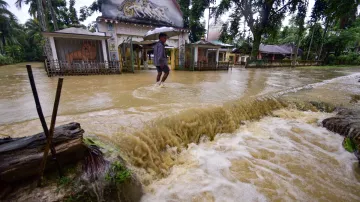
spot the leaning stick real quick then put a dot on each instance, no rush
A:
(42, 118)
(51, 132)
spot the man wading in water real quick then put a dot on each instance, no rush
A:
(160, 60)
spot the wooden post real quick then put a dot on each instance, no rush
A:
(120, 59)
(132, 55)
(173, 58)
(138, 58)
(52, 128)
(41, 115)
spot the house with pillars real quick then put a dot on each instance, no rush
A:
(75, 51)
(118, 44)
(206, 56)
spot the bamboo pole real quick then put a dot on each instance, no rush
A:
(41, 117)
(51, 132)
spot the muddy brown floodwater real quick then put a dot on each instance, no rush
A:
(286, 157)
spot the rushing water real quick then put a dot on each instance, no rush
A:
(284, 157)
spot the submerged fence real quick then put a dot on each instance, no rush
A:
(280, 63)
(205, 66)
(63, 68)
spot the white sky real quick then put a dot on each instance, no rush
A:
(23, 14)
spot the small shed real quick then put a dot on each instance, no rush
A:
(78, 51)
(225, 54)
(206, 56)
(276, 52)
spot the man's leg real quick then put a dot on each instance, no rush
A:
(165, 77)
(159, 74)
(166, 73)
(158, 77)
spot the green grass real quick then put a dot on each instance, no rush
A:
(329, 67)
(118, 173)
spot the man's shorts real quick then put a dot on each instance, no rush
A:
(165, 69)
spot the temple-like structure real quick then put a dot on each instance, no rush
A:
(127, 21)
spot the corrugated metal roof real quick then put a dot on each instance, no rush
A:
(285, 49)
(217, 42)
(205, 43)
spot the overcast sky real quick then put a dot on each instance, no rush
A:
(23, 14)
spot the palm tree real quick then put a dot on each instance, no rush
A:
(33, 28)
(8, 25)
(33, 10)
(33, 6)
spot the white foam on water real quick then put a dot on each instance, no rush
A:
(314, 85)
(154, 92)
(285, 159)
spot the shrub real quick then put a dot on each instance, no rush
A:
(118, 173)
(342, 59)
(348, 59)
(331, 59)
(6, 60)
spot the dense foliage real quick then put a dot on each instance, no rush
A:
(24, 42)
(331, 34)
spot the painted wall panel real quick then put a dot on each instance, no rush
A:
(155, 12)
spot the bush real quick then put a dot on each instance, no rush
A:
(341, 59)
(331, 59)
(6, 60)
(348, 59)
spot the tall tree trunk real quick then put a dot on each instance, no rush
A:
(40, 15)
(256, 45)
(311, 41)
(293, 64)
(323, 38)
(53, 15)
(3, 42)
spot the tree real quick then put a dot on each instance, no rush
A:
(85, 11)
(261, 16)
(54, 12)
(300, 22)
(72, 13)
(335, 13)
(312, 41)
(225, 36)
(193, 11)
(8, 25)
(33, 6)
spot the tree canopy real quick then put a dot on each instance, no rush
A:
(261, 16)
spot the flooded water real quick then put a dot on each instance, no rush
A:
(284, 156)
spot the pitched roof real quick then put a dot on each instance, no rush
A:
(217, 42)
(77, 33)
(75, 30)
(206, 43)
(278, 49)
